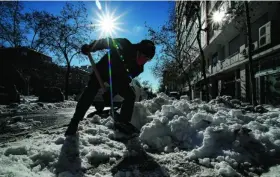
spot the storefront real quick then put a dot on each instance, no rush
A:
(268, 86)
(268, 80)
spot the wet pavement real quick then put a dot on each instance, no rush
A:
(38, 121)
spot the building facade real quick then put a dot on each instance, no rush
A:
(30, 71)
(225, 48)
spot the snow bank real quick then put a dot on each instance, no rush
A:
(29, 104)
(214, 131)
(216, 135)
(273, 172)
(224, 169)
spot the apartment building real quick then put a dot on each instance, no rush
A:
(225, 48)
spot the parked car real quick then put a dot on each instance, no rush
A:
(9, 96)
(174, 94)
(51, 94)
(140, 92)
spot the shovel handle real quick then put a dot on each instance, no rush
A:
(96, 72)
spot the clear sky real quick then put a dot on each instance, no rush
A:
(134, 14)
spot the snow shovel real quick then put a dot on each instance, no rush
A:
(97, 74)
(101, 82)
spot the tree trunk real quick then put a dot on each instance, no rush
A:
(203, 68)
(251, 69)
(190, 87)
(189, 78)
(67, 82)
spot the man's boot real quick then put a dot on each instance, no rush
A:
(72, 128)
(126, 127)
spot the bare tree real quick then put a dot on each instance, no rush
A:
(70, 31)
(146, 84)
(38, 24)
(11, 30)
(195, 5)
(242, 12)
(173, 60)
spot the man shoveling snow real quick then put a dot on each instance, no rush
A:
(126, 61)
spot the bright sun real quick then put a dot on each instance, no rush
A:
(218, 16)
(107, 23)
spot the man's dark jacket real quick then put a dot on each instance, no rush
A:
(119, 49)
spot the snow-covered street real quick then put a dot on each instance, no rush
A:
(181, 137)
(20, 119)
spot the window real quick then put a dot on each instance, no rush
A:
(222, 53)
(214, 59)
(209, 61)
(232, 4)
(234, 45)
(256, 25)
(210, 31)
(208, 5)
(217, 5)
(202, 10)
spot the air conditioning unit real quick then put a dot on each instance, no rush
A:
(243, 50)
(265, 34)
(210, 68)
(255, 46)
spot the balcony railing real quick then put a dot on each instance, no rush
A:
(226, 64)
(235, 60)
(221, 66)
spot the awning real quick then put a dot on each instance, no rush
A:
(267, 72)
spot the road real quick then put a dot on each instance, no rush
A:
(41, 121)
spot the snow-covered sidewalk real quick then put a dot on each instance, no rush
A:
(30, 104)
(15, 118)
(185, 138)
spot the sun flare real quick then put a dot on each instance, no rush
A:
(218, 16)
(107, 23)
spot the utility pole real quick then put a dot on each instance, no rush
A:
(249, 39)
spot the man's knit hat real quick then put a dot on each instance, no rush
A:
(147, 47)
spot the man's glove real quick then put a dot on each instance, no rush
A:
(86, 49)
(106, 94)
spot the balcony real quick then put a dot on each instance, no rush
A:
(228, 63)
(237, 59)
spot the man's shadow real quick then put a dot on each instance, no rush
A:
(69, 160)
(139, 163)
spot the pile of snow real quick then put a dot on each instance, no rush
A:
(228, 137)
(29, 104)
(53, 154)
(218, 138)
